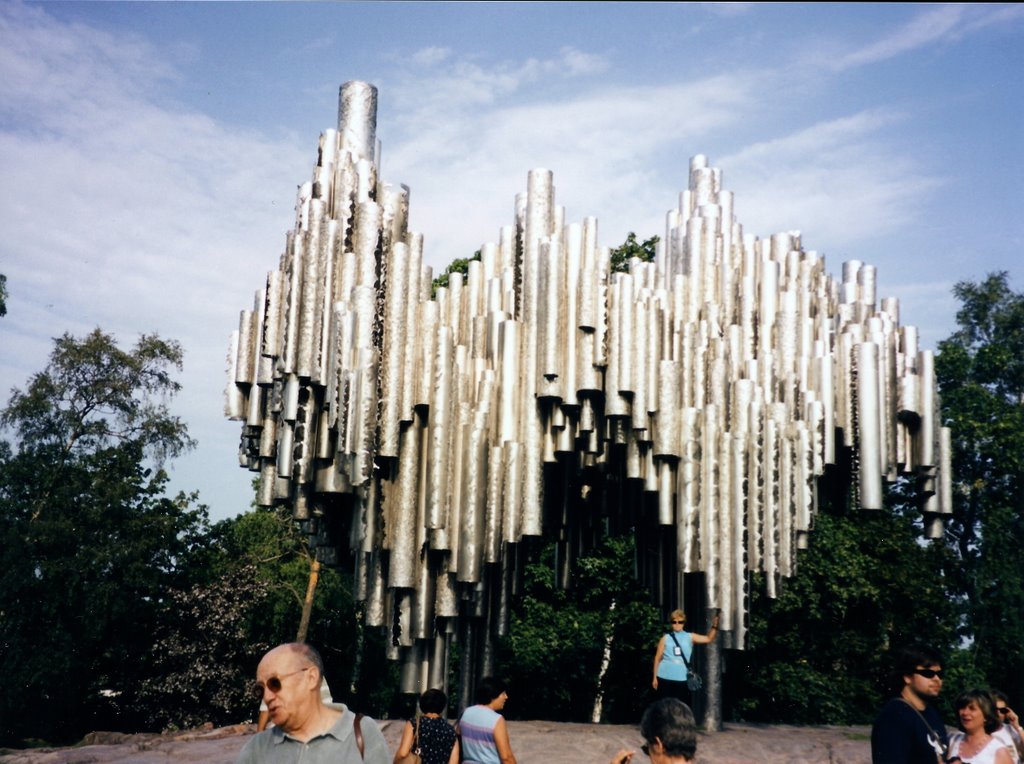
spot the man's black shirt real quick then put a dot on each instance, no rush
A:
(901, 736)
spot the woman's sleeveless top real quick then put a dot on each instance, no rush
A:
(477, 730)
(672, 666)
(986, 755)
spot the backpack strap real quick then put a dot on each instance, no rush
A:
(359, 735)
(934, 739)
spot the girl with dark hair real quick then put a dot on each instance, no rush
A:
(431, 736)
(976, 711)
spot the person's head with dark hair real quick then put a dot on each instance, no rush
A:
(917, 675)
(670, 730)
(916, 657)
(490, 689)
(1007, 716)
(977, 701)
(433, 701)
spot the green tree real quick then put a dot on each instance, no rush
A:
(3, 295)
(980, 371)
(631, 248)
(270, 543)
(458, 265)
(819, 652)
(557, 637)
(89, 543)
(206, 651)
(93, 396)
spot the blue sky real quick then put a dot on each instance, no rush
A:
(150, 152)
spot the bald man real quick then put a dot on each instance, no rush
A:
(305, 728)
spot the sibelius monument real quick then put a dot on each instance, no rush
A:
(707, 400)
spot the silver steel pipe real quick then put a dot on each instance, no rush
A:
(357, 119)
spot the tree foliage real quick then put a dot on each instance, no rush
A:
(94, 395)
(120, 607)
(274, 547)
(818, 653)
(980, 370)
(630, 248)
(203, 658)
(89, 542)
(458, 265)
(557, 638)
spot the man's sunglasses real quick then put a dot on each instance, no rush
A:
(678, 621)
(929, 673)
(273, 684)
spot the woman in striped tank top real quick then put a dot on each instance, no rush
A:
(482, 729)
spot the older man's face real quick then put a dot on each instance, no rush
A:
(296, 679)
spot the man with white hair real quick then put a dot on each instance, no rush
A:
(288, 680)
(670, 734)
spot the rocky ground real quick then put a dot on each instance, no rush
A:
(533, 742)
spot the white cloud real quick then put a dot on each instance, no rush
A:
(466, 158)
(58, 74)
(994, 14)
(576, 62)
(729, 10)
(439, 82)
(931, 26)
(937, 24)
(836, 180)
(126, 215)
(430, 56)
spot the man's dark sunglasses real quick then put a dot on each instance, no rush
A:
(273, 684)
(929, 673)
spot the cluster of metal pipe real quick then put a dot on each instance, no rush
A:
(720, 388)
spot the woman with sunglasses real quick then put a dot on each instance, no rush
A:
(674, 656)
(976, 711)
(1010, 733)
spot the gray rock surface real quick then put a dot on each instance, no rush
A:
(533, 742)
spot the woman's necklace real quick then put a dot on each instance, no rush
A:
(972, 745)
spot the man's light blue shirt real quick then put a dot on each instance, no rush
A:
(335, 746)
